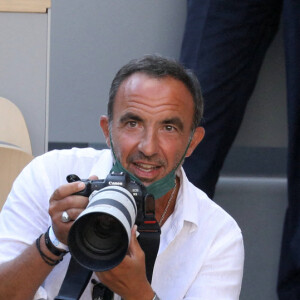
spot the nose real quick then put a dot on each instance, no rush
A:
(148, 144)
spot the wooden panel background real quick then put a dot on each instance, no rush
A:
(33, 6)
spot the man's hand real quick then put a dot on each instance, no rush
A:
(63, 200)
(129, 279)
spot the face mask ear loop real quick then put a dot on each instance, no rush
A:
(112, 146)
(186, 149)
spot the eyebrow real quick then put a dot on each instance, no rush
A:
(130, 116)
(171, 121)
(175, 121)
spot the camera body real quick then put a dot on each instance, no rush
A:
(99, 237)
(145, 202)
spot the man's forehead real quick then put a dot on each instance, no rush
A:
(139, 80)
(146, 83)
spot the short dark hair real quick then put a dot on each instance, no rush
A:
(159, 67)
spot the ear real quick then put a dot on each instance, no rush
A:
(104, 124)
(196, 139)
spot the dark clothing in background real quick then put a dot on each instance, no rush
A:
(225, 42)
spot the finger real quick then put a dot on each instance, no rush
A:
(134, 231)
(67, 189)
(71, 201)
(73, 213)
(56, 207)
(93, 177)
(134, 246)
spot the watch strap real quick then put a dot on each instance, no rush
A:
(155, 297)
(51, 246)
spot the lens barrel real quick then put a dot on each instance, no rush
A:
(99, 237)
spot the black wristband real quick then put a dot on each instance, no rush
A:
(51, 247)
(46, 259)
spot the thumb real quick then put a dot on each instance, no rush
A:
(134, 245)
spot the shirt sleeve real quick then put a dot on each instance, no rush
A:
(25, 213)
(221, 275)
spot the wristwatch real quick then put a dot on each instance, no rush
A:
(53, 244)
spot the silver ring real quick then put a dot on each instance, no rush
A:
(65, 218)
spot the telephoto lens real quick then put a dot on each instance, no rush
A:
(99, 238)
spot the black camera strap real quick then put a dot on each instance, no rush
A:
(149, 239)
(75, 282)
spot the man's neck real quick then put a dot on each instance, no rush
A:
(164, 206)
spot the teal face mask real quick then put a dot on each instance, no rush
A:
(158, 188)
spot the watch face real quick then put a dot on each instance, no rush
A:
(56, 242)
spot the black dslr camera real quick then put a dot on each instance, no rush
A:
(99, 237)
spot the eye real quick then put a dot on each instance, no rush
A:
(132, 124)
(170, 128)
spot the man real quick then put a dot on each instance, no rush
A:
(150, 130)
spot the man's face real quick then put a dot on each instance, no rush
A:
(151, 127)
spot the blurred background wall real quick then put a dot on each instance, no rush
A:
(91, 39)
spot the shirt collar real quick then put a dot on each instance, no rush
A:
(103, 165)
(187, 207)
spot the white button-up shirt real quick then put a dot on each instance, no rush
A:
(201, 251)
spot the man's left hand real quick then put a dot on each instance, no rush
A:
(129, 279)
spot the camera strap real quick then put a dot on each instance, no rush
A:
(75, 282)
(149, 239)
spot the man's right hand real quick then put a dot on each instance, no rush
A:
(63, 199)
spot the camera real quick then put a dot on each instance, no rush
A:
(99, 237)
